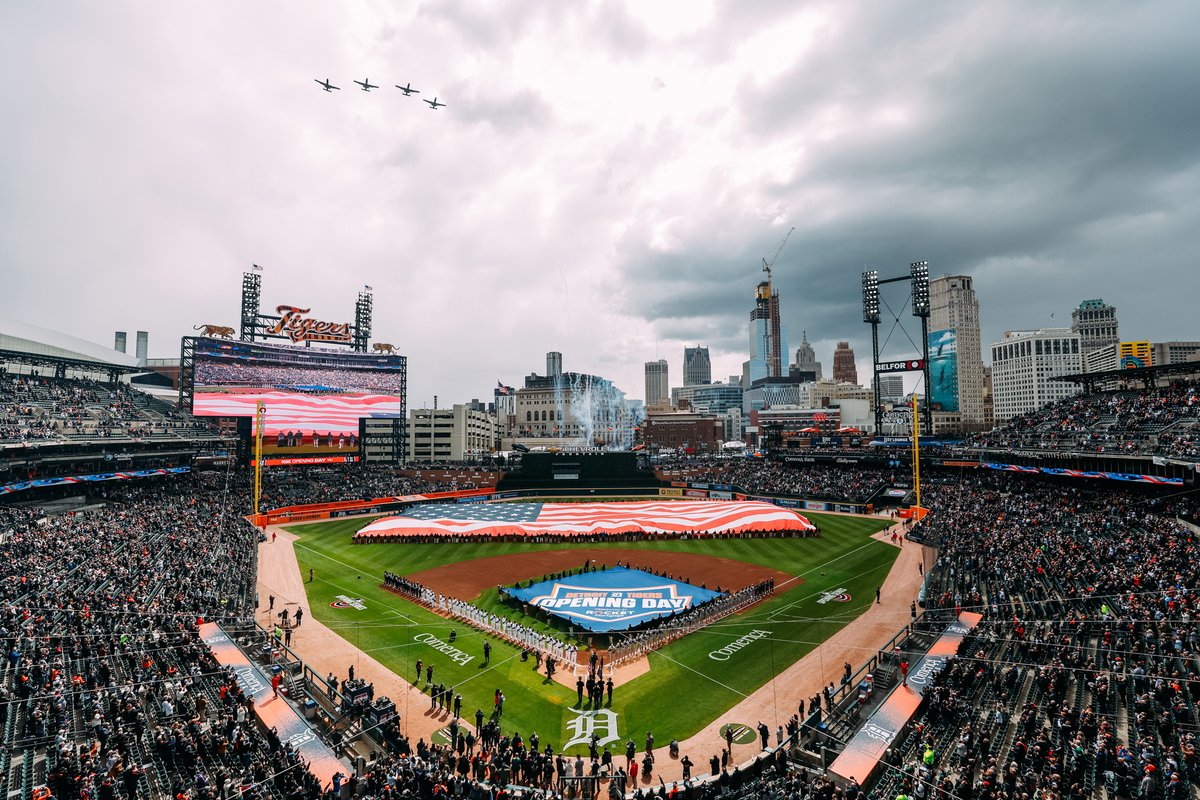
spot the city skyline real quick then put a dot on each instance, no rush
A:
(568, 204)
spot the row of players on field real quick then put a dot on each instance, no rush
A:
(340, 440)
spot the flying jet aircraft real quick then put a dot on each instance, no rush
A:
(407, 89)
(366, 85)
(434, 104)
(326, 85)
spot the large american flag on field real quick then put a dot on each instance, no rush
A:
(292, 411)
(508, 519)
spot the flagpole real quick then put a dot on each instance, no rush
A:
(259, 417)
(916, 454)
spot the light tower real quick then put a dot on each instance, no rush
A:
(918, 278)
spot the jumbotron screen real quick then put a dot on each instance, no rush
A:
(313, 398)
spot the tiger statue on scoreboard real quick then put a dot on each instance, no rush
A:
(223, 331)
(384, 347)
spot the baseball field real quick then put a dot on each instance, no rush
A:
(822, 584)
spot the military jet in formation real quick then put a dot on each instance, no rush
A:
(326, 85)
(434, 104)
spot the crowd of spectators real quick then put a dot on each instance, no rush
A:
(1081, 680)
(333, 483)
(1162, 421)
(105, 690)
(1082, 676)
(34, 408)
(212, 372)
(840, 483)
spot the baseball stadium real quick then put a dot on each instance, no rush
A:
(227, 577)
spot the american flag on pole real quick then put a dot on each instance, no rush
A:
(509, 519)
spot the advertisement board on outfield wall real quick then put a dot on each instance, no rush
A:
(719, 495)
(1132, 477)
(812, 505)
(670, 492)
(38, 483)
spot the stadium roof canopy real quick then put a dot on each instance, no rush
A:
(31, 344)
(1148, 375)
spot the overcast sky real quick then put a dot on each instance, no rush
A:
(605, 178)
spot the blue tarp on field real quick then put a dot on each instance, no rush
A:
(613, 599)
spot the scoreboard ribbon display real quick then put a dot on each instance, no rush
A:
(613, 599)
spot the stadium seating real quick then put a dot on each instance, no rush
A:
(1082, 677)
(757, 476)
(1081, 682)
(1164, 421)
(40, 409)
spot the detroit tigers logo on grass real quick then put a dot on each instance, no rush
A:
(602, 723)
(348, 602)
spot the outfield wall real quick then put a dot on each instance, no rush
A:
(670, 489)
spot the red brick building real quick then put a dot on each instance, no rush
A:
(682, 430)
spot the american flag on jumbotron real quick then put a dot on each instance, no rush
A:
(508, 519)
(286, 411)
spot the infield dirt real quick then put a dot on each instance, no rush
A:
(466, 580)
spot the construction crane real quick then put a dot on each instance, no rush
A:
(767, 265)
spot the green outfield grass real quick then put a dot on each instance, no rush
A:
(685, 687)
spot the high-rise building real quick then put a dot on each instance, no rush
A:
(1096, 323)
(1023, 364)
(697, 367)
(119, 341)
(768, 340)
(1175, 352)
(553, 364)
(844, 368)
(716, 398)
(806, 358)
(891, 386)
(658, 387)
(955, 354)
(143, 346)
